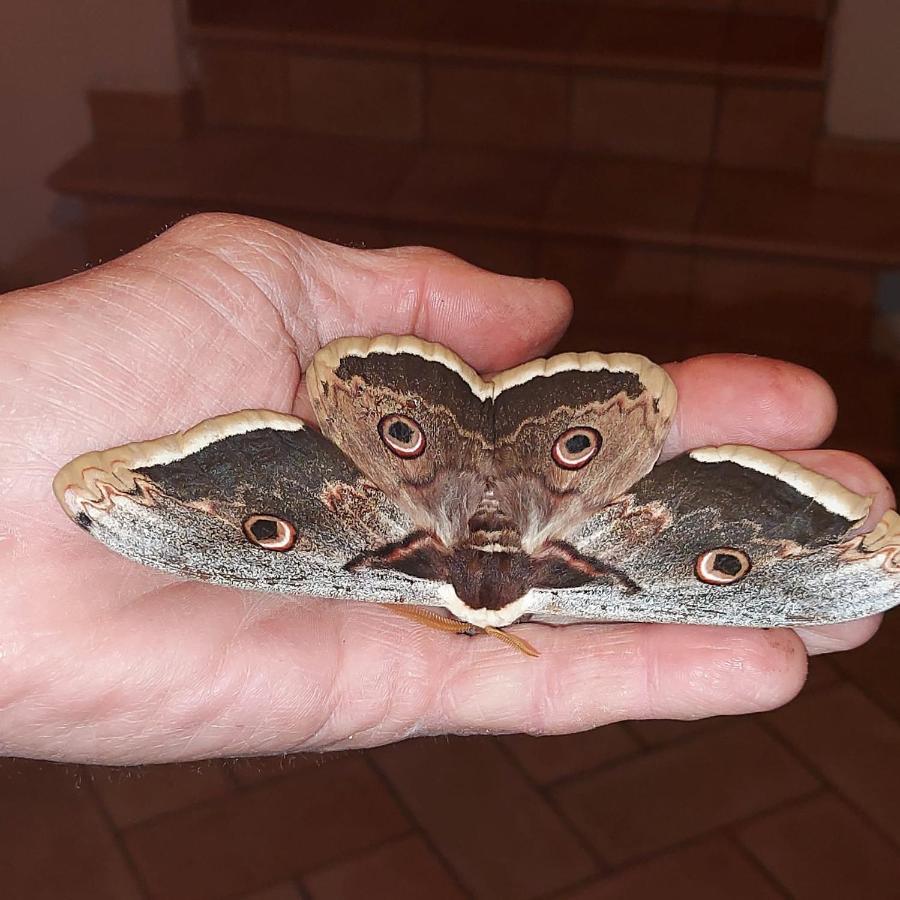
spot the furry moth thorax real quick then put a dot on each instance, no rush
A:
(534, 495)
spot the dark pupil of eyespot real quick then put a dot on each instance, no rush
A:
(578, 443)
(264, 529)
(400, 432)
(727, 564)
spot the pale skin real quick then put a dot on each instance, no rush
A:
(105, 661)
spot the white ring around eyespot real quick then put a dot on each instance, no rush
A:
(284, 539)
(411, 452)
(706, 571)
(585, 456)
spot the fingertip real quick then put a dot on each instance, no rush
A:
(733, 398)
(493, 321)
(705, 671)
(852, 470)
(840, 636)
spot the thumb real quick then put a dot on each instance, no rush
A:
(324, 291)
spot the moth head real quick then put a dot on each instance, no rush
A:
(269, 532)
(722, 566)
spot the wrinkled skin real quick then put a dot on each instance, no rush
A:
(105, 661)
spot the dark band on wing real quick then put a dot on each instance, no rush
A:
(573, 389)
(739, 494)
(406, 372)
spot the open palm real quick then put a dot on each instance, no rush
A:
(103, 660)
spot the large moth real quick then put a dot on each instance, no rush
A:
(533, 496)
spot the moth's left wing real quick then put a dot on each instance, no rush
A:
(734, 536)
(252, 500)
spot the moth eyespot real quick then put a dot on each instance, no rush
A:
(270, 532)
(576, 447)
(403, 436)
(724, 565)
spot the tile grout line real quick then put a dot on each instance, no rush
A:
(356, 855)
(118, 835)
(642, 752)
(836, 789)
(211, 801)
(757, 864)
(687, 242)
(848, 676)
(544, 792)
(720, 831)
(416, 825)
(643, 858)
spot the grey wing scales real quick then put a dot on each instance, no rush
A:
(734, 536)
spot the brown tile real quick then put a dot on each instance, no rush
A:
(774, 47)
(664, 731)
(626, 296)
(404, 868)
(135, 794)
(57, 843)
(496, 831)
(551, 757)
(244, 85)
(769, 127)
(265, 834)
(356, 97)
(875, 666)
(822, 849)
(647, 804)
(471, 187)
(117, 114)
(284, 890)
(653, 118)
(507, 106)
(771, 212)
(330, 176)
(810, 9)
(632, 199)
(855, 745)
(517, 30)
(398, 27)
(680, 5)
(854, 165)
(707, 871)
(255, 769)
(653, 39)
(492, 250)
(821, 673)
(740, 298)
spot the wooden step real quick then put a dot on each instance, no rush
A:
(662, 259)
(681, 85)
(686, 206)
(702, 38)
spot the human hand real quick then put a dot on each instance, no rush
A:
(105, 661)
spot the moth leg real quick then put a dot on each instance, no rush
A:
(445, 623)
(431, 619)
(513, 640)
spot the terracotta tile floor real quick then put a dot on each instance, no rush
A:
(803, 802)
